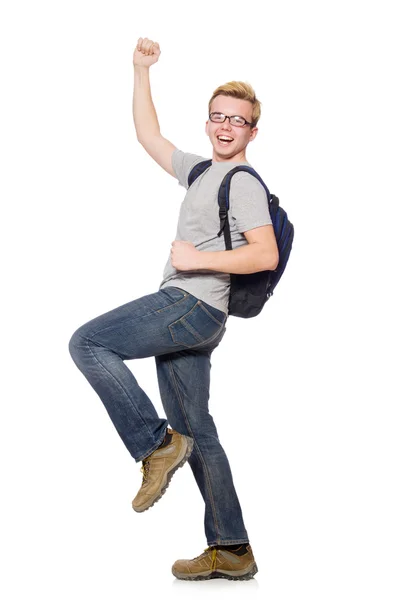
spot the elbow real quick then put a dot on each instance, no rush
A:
(269, 257)
(148, 139)
(275, 258)
(271, 262)
(275, 263)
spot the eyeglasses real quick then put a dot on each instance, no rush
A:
(217, 117)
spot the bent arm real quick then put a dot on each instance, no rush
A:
(249, 258)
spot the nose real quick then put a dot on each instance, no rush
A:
(226, 123)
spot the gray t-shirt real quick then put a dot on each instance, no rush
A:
(199, 223)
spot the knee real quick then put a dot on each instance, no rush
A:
(78, 344)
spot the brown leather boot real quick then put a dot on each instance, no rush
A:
(159, 467)
(216, 563)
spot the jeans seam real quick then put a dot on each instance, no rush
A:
(172, 304)
(88, 341)
(219, 542)
(210, 315)
(152, 449)
(131, 319)
(198, 448)
(186, 315)
(186, 325)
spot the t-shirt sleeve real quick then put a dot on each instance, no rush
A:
(249, 205)
(182, 163)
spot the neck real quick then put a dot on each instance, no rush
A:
(240, 157)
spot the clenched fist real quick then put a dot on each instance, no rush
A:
(185, 256)
(146, 53)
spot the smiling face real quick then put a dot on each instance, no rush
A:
(233, 151)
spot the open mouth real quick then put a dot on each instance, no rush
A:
(224, 140)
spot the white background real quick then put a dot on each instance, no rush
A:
(303, 395)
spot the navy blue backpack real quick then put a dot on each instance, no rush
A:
(249, 292)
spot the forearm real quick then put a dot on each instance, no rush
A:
(144, 113)
(249, 258)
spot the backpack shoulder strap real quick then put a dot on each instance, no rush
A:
(198, 170)
(223, 199)
(283, 228)
(224, 190)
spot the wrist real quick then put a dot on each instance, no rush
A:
(202, 260)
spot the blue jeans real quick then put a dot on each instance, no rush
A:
(181, 332)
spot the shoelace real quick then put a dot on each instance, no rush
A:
(145, 470)
(213, 556)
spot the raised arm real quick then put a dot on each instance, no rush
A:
(146, 123)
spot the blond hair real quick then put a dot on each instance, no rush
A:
(242, 91)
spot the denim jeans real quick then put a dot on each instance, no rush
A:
(181, 332)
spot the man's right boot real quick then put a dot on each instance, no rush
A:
(215, 563)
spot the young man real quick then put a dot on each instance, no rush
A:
(184, 321)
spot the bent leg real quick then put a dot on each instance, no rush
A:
(131, 411)
(153, 325)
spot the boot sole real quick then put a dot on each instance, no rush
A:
(189, 450)
(217, 575)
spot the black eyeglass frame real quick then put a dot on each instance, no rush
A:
(227, 117)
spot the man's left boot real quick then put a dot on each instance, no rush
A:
(159, 467)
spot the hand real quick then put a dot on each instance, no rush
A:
(146, 53)
(184, 256)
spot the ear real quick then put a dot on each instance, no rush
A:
(206, 127)
(253, 134)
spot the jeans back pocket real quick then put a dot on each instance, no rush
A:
(195, 327)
